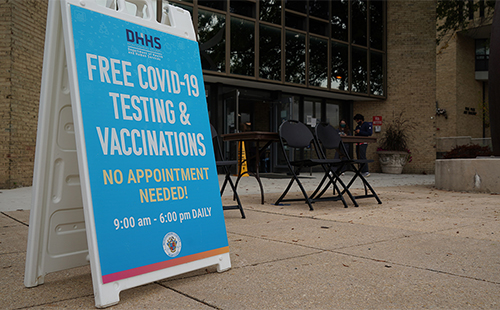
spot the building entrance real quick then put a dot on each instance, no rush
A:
(238, 109)
(247, 110)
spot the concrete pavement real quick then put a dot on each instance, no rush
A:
(420, 248)
(20, 198)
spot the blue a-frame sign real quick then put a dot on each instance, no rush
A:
(146, 165)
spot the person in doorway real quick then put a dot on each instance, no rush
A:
(362, 129)
(344, 128)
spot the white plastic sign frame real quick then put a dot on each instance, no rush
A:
(149, 185)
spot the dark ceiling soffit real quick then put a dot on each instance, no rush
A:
(482, 32)
(285, 88)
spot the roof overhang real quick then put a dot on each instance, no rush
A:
(482, 32)
(285, 88)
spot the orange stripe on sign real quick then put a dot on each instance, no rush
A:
(162, 265)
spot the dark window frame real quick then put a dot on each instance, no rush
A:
(316, 18)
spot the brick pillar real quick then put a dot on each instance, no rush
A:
(411, 80)
(22, 36)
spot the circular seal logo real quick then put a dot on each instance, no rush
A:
(172, 244)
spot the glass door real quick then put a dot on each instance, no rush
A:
(231, 110)
(231, 120)
(284, 110)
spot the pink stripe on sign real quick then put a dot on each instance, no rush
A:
(161, 265)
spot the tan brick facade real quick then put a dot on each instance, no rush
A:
(411, 80)
(458, 91)
(22, 33)
(446, 73)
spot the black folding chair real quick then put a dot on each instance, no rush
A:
(295, 135)
(226, 167)
(329, 138)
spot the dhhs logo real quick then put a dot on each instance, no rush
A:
(172, 244)
(143, 39)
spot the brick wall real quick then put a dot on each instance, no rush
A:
(5, 91)
(457, 88)
(22, 33)
(469, 91)
(446, 81)
(411, 80)
(411, 84)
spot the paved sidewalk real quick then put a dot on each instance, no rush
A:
(20, 198)
(420, 248)
(276, 183)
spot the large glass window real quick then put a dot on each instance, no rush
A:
(359, 70)
(242, 47)
(245, 8)
(270, 52)
(296, 5)
(318, 62)
(340, 66)
(338, 45)
(377, 24)
(482, 54)
(340, 19)
(270, 11)
(359, 22)
(376, 74)
(319, 8)
(295, 57)
(212, 38)
(214, 4)
(295, 21)
(318, 27)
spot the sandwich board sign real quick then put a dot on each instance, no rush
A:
(125, 174)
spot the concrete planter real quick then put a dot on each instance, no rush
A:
(469, 174)
(392, 161)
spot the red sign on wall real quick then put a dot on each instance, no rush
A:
(377, 121)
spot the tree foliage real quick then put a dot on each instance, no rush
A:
(458, 15)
